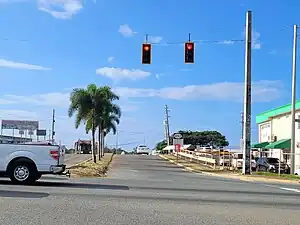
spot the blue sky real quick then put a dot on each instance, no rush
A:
(48, 47)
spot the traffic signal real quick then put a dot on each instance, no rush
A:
(146, 54)
(189, 52)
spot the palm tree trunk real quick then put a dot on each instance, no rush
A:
(103, 139)
(99, 142)
(94, 147)
(93, 138)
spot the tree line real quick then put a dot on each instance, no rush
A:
(95, 107)
(202, 138)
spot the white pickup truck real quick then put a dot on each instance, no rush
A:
(26, 163)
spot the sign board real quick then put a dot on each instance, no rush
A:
(177, 136)
(41, 133)
(20, 124)
(177, 147)
(21, 132)
(30, 132)
(265, 132)
(178, 141)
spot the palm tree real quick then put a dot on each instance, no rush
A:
(107, 116)
(84, 103)
(110, 120)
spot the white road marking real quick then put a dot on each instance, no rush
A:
(135, 171)
(290, 189)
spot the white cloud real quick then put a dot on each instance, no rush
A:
(20, 114)
(48, 99)
(18, 65)
(111, 59)
(256, 44)
(155, 39)
(126, 31)
(262, 91)
(119, 73)
(61, 9)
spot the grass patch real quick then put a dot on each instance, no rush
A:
(91, 169)
(276, 176)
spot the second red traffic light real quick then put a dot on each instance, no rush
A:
(146, 54)
(189, 52)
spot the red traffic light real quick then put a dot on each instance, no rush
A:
(146, 47)
(189, 46)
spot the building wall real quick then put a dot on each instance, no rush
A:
(280, 126)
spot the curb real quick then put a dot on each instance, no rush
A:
(77, 164)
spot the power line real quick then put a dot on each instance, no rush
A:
(230, 41)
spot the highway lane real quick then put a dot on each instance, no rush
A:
(147, 190)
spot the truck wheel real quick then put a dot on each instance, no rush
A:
(22, 173)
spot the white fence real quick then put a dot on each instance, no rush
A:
(195, 156)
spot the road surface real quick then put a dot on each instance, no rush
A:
(147, 190)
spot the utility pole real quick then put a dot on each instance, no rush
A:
(117, 140)
(247, 98)
(167, 124)
(53, 123)
(293, 132)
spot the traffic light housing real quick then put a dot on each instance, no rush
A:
(189, 52)
(146, 53)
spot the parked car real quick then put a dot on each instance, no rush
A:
(270, 164)
(237, 161)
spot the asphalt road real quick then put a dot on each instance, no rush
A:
(147, 190)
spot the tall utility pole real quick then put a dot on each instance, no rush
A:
(117, 139)
(53, 123)
(293, 127)
(167, 124)
(247, 98)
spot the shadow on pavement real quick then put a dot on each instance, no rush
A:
(245, 192)
(22, 194)
(170, 169)
(165, 166)
(73, 185)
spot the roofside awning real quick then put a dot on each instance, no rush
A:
(260, 145)
(283, 143)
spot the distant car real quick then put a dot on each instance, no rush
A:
(142, 150)
(269, 164)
